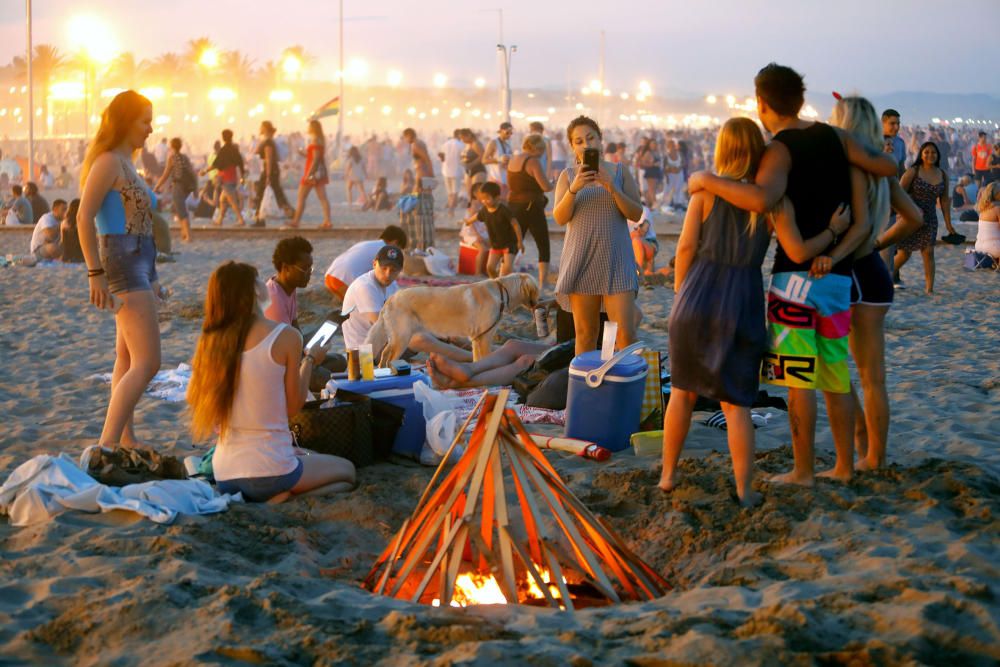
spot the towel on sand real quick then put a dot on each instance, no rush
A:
(169, 385)
(46, 486)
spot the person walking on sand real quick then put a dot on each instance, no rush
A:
(528, 185)
(315, 176)
(927, 183)
(228, 164)
(270, 176)
(248, 376)
(808, 315)
(183, 182)
(717, 332)
(115, 224)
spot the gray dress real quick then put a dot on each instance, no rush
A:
(597, 253)
(718, 336)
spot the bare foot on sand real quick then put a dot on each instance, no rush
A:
(793, 477)
(280, 498)
(452, 369)
(837, 475)
(751, 499)
(668, 482)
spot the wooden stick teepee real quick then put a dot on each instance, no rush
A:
(520, 538)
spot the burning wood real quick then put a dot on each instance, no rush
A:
(482, 537)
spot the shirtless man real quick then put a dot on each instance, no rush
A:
(420, 221)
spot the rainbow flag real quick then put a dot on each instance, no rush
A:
(331, 108)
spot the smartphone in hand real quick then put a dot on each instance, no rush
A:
(591, 159)
(323, 335)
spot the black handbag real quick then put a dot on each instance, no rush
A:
(343, 429)
(555, 358)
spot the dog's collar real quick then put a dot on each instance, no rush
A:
(504, 302)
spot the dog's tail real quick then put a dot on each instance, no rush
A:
(378, 336)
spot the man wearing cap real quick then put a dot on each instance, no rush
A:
(497, 155)
(366, 296)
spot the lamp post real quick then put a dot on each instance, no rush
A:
(31, 101)
(505, 98)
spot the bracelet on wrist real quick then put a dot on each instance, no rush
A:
(93, 273)
(570, 190)
(309, 357)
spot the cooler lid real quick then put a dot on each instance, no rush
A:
(629, 366)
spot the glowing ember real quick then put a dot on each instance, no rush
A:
(535, 591)
(473, 589)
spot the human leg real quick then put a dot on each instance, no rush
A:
(324, 205)
(139, 328)
(868, 349)
(860, 425)
(586, 309)
(322, 469)
(840, 411)
(739, 432)
(902, 256)
(492, 263)
(802, 419)
(506, 354)
(621, 309)
(300, 204)
(425, 342)
(676, 423)
(929, 268)
(507, 264)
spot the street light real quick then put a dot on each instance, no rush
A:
(505, 97)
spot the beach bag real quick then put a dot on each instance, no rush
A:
(341, 426)
(652, 397)
(122, 466)
(551, 392)
(438, 263)
(979, 260)
(407, 203)
(269, 204)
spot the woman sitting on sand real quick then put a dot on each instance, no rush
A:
(717, 332)
(249, 376)
(988, 205)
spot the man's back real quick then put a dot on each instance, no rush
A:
(818, 182)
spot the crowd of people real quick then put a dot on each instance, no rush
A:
(835, 195)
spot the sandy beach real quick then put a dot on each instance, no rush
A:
(898, 567)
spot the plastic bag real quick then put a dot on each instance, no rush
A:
(269, 204)
(439, 413)
(438, 263)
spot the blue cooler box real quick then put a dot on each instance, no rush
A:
(398, 390)
(604, 402)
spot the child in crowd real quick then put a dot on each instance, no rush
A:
(379, 199)
(476, 234)
(503, 230)
(644, 242)
(717, 332)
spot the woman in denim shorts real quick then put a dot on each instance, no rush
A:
(116, 235)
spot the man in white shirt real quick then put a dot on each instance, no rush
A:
(160, 152)
(45, 240)
(454, 172)
(366, 296)
(357, 260)
(497, 155)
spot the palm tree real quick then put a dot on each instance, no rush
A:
(124, 70)
(237, 67)
(195, 49)
(45, 63)
(168, 67)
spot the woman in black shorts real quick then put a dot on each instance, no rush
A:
(872, 290)
(527, 199)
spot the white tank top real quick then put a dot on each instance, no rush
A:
(258, 443)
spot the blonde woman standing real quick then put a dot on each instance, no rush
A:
(115, 223)
(249, 375)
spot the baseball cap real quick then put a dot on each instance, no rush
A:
(390, 256)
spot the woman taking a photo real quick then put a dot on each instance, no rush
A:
(315, 176)
(527, 199)
(927, 184)
(249, 375)
(597, 266)
(115, 224)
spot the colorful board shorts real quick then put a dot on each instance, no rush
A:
(808, 320)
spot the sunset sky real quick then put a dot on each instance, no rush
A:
(679, 46)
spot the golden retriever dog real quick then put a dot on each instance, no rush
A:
(473, 311)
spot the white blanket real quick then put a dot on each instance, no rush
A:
(47, 486)
(169, 385)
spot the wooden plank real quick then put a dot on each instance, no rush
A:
(557, 574)
(454, 443)
(529, 504)
(392, 559)
(569, 527)
(531, 530)
(441, 553)
(508, 586)
(530, 567)
(454, 562)
(503, 520)
(489, 442)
